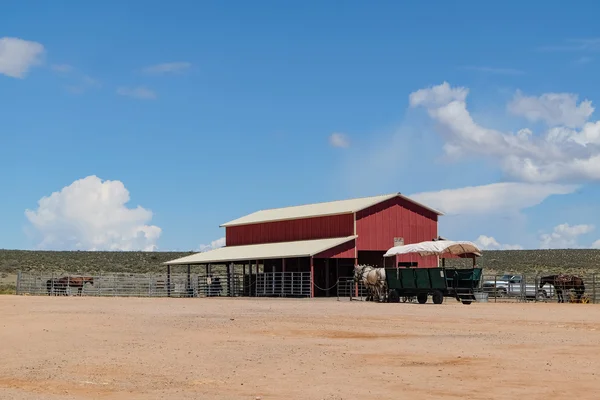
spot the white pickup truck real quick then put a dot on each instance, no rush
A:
(513, 285)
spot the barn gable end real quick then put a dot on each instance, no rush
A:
(378, 225)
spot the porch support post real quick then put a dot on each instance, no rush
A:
(283, 276)
(312, 277)
(256, 281)
(356, 283)
(327, 276)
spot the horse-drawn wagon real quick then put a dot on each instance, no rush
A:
(438, 283)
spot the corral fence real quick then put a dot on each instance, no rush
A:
(500, 288)
(492, 288)
(284, 284)
(526, 288)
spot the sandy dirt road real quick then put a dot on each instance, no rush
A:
(132, 348)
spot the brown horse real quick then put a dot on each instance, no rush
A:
(60, 284)
(564, 282)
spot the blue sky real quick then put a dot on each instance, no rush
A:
(201, 112)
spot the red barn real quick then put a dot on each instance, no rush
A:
(327, 239)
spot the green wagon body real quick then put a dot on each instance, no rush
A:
(437, 282)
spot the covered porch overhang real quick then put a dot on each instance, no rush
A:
(301, 248)
(272, 254)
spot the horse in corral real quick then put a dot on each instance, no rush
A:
(564, 282)
(373, 279)
(60, 284)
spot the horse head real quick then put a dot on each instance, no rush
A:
(547, 279)
(359, 272)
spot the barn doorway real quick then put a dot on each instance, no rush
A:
(327, 272)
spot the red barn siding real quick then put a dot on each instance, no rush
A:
(377, 226)
(344, 250)
(287, 231)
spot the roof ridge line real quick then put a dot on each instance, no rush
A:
(328, 201)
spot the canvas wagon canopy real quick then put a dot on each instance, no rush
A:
(436, 248)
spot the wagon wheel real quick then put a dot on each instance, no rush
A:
(422, 298)
(438, 297)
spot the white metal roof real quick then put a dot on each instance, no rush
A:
(301, 248)
(319, 209)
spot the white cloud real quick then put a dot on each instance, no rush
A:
(490, 243)
(139, 92)
(91, 214)
(492, 198)
(596, 244)
(164, 68)
(552, 108)
(560, 154)
(339, 140)
(17, 56)
(564, 236)
(215, 244)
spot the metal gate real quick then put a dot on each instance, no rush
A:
(283, 284)
(348, 288)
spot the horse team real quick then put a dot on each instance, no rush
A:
(373, 278)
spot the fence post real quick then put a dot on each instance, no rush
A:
(495, 288)
(594, 289)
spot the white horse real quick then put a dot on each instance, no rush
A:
(374, 280)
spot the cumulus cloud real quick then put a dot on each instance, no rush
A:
(18, 56)
(139, 92)
(564, 236)
(552, 108)
(491, 199)
(164, 68)
(596, 244)
(91, 214)
(215, 244)
(339, 140)
(560, 154)
(490, 243)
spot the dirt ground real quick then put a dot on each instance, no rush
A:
(132, 348)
